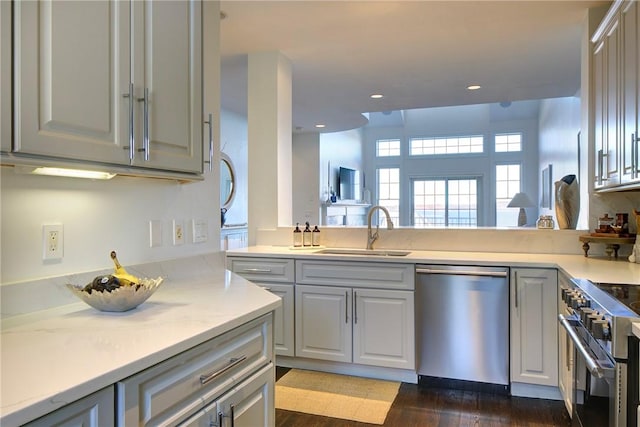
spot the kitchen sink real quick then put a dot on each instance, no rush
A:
(377, 252)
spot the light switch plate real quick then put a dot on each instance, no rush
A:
(155, 233)
(200, 230)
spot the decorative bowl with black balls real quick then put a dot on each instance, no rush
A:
(117, 292)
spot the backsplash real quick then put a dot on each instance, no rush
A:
(511, 240)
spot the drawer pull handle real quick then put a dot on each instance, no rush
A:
(232, 363)
(257, 270)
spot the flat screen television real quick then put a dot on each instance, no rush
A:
(349, 184)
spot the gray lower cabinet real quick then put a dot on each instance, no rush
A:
(356, 312)
(176, 390)
(534, 326)
(95, 410)
(277, 276)
(247, 405)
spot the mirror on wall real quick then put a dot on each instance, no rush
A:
(227, 182)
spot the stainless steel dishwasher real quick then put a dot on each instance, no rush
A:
(462, 325)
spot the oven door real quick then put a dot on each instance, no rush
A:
(598, 396)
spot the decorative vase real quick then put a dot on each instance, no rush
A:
(567, 202)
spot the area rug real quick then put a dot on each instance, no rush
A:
(336, 396)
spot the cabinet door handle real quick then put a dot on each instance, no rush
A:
(515, 288)
(210, 123)
(220, 417)
(233, 415)
(346, 306)
(256, 270)
(131, 146)
(204, 379)
(145, 124)
(633, 157)
(355, 307)
(266, 288)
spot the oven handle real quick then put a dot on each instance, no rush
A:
(592, 364)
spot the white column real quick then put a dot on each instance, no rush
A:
(269, 141)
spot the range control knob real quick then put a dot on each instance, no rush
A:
(601, 329)
(579, 302)
(585, 312)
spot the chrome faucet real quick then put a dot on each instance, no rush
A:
(372, 237)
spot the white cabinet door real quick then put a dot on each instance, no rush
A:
(323, 323)
(283, 320)
(383, 328)
(167, 64)
(565, 353)
(534, 330)
(252, 403)
(6, 90)
(630, 92)
(71, 71)
(95, 410)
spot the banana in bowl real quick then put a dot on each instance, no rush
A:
(116, 292)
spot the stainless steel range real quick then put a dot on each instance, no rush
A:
(598, 319)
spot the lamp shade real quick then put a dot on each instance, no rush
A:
(520, 200)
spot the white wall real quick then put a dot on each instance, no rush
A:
(306, 178)
(98, 217)
(340, 149)
(233, 142)
(558, 146)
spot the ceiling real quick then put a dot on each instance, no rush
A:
(418, 54)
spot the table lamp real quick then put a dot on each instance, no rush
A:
(521, 200)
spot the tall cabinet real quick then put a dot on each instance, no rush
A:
(114, 82)
(616, 97)
(534, 331)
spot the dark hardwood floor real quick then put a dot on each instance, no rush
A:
(417, 406)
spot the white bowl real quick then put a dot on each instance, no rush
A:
(124, 298)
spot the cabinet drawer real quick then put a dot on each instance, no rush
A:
(356, 274)
(263, 269)
(174, 389)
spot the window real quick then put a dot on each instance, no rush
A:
(507, 185)
(445, 202)
(389, 193)
(387, 147)
(508, 142)
(447, 145)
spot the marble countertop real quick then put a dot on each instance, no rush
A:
(595, 269)
(53, 357)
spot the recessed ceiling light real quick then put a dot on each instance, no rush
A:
(474, 87)
(319, 125)
(377, 96)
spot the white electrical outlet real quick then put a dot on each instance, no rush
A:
(200, 230)
(178, 233)
(52, 241)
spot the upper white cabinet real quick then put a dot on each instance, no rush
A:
(616, 93)
(534, 330)
(113, 82)
(630, 19)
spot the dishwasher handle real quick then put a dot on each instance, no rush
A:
(462, 272)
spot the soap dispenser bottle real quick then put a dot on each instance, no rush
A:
(297, 236)
(306, 235)
(315, 236)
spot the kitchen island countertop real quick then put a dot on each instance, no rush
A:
(56, 356)
(577, 266)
